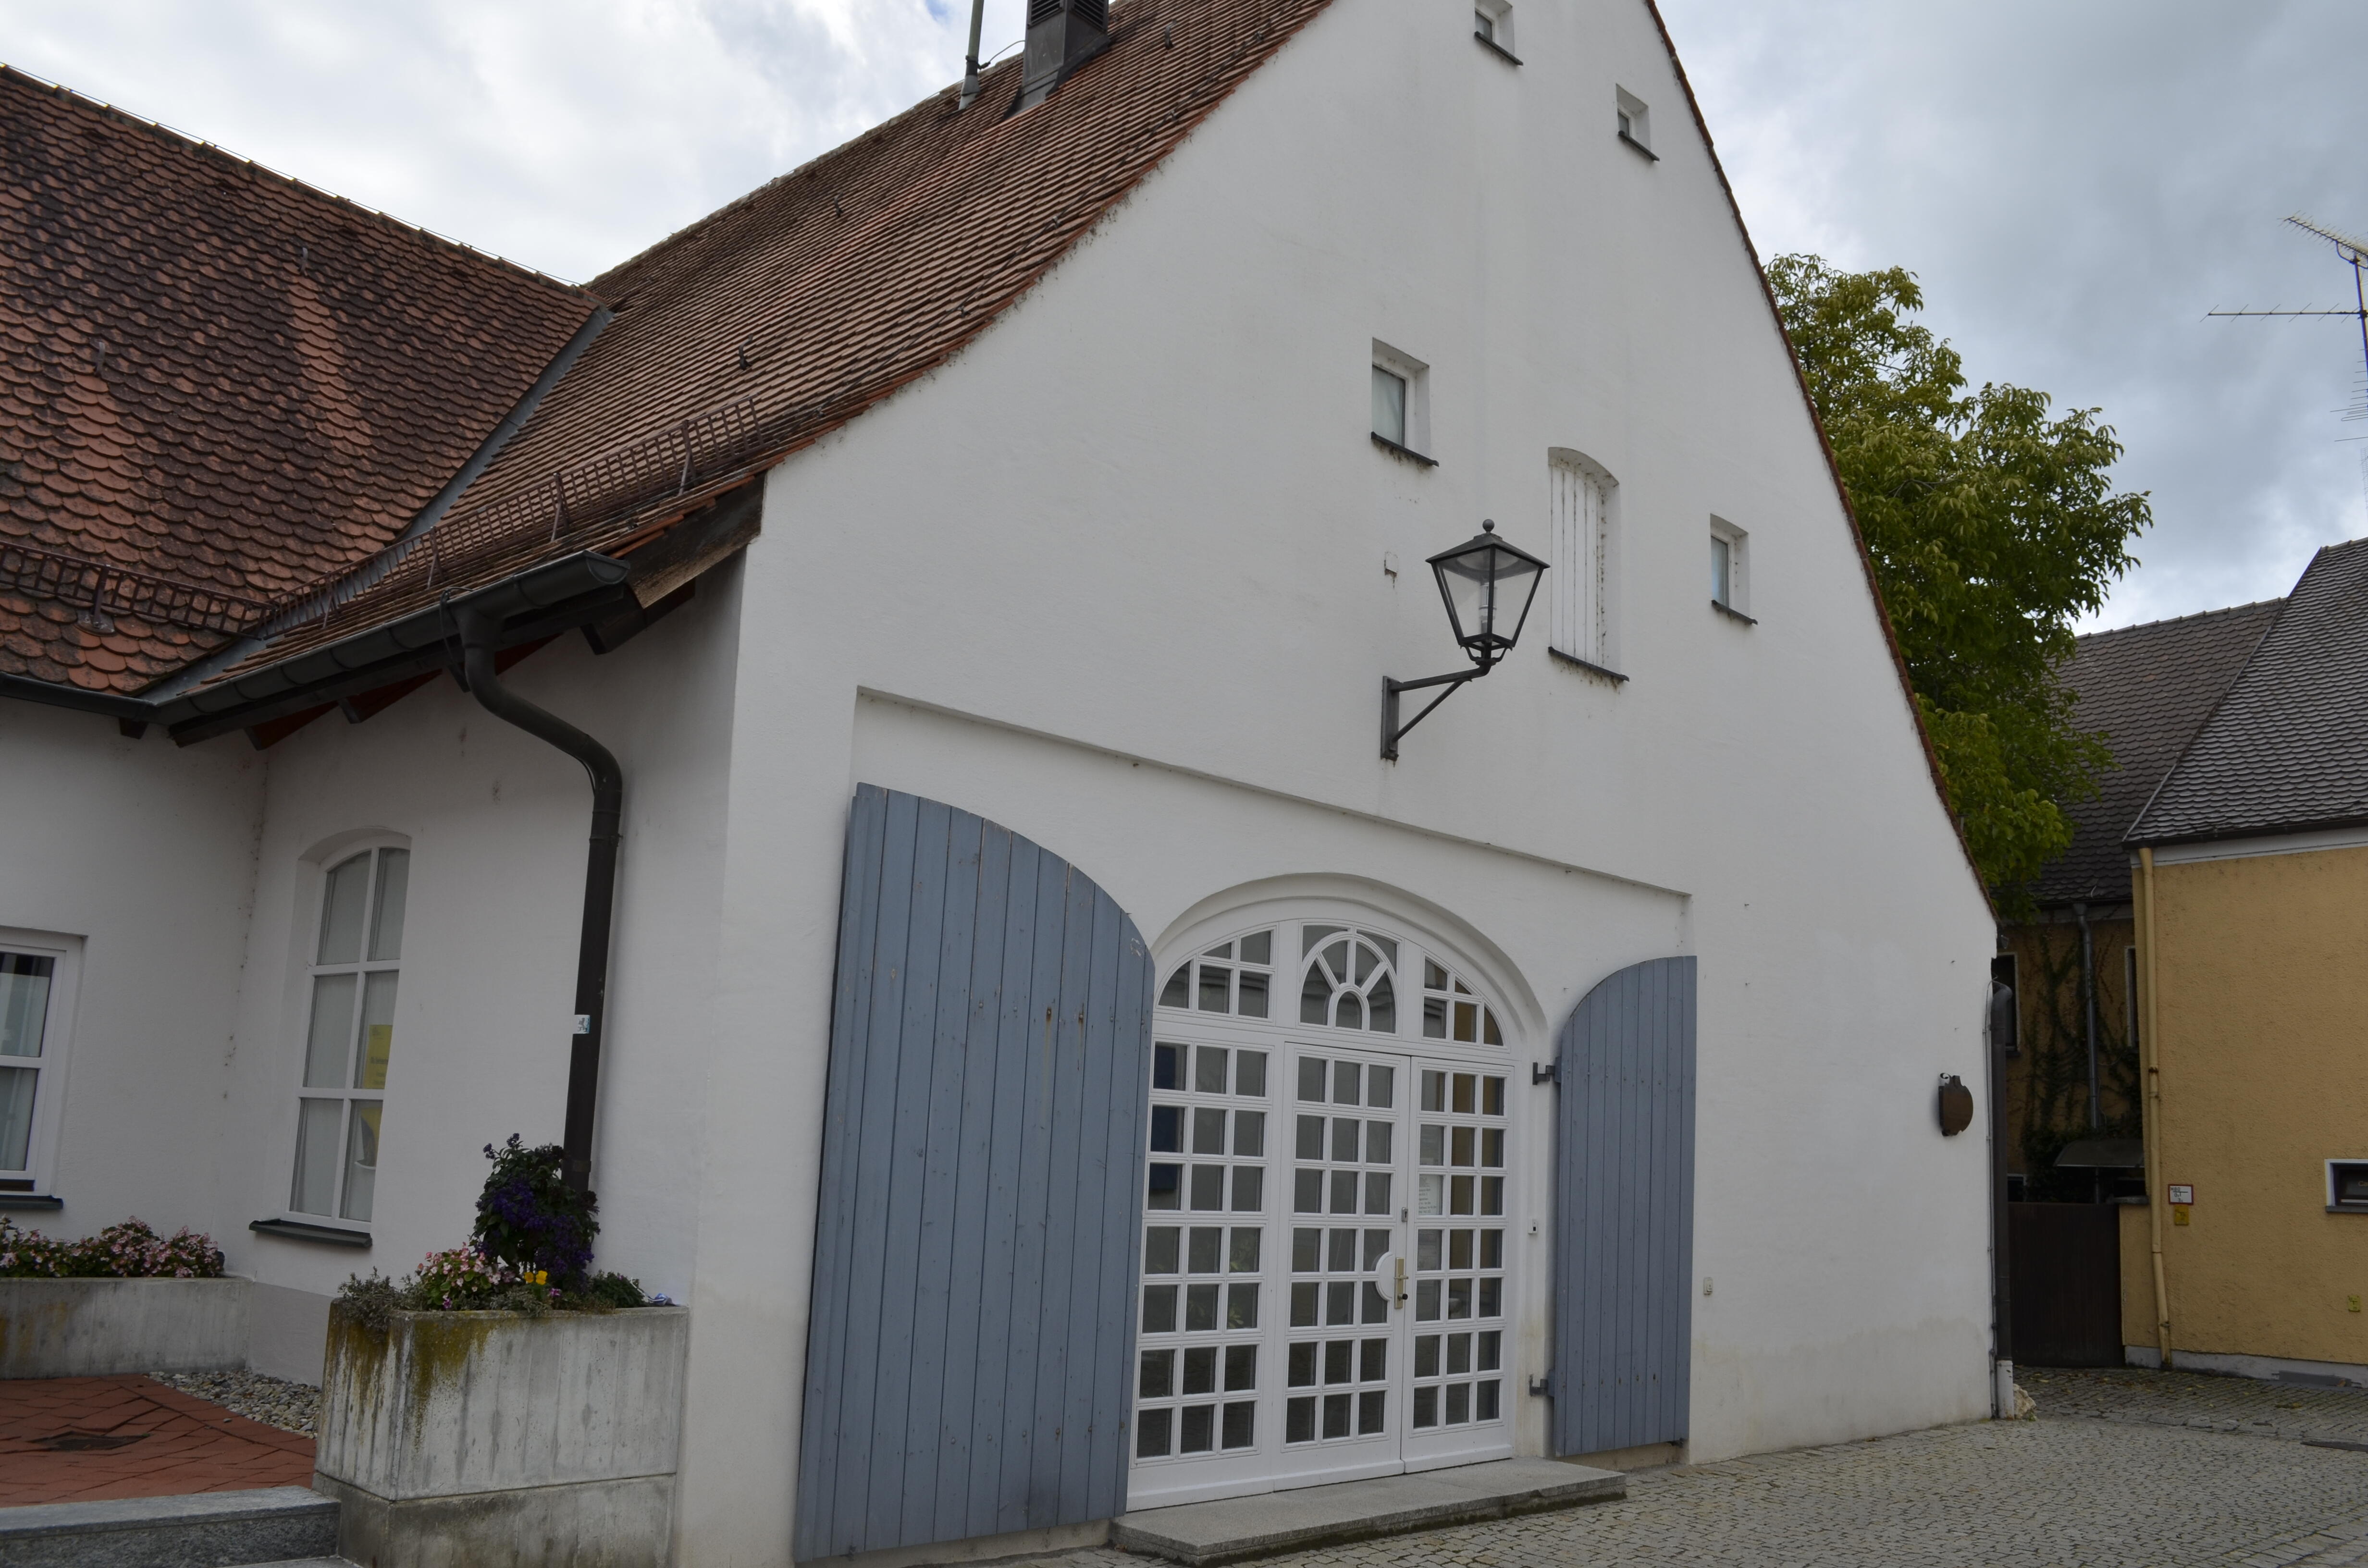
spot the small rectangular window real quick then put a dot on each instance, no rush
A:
(1402, 403)
(1492, 23)
(1389, 406)
(1730, 568)
(1634, 121)
(350, 1035)
(2347, 1184)
(36, 986)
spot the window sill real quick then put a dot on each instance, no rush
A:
(1408, 453)
(297, 1231)
(2348, 1208)
(22, 1201)
(1730, 611)
(1490, 44)
(1598, 671)
(1648, 153)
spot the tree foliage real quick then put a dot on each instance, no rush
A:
(1993, 528)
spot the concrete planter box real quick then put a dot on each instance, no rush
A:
(495, 1440)
(90, 1328)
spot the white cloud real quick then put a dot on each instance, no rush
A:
(2076, 183)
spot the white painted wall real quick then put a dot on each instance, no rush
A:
(147, 853)
(497, 823)
(1114, 580)
(195, 876)
(1119, 569)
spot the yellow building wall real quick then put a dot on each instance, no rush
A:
(2263, 1047)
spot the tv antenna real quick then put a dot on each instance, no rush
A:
(2355, 252)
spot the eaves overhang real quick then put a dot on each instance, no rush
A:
(539, 602)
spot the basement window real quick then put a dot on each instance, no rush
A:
(2347, 1186)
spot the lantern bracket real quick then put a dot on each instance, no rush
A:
(1391, 728)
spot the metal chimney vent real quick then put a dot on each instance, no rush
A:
(1062, 36)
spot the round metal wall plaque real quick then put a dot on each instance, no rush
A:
(1956, 1105)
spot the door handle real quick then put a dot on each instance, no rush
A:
(1397, 1295)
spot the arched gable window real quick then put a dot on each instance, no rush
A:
(1349, 979)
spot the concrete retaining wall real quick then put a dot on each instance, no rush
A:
(83, 1328)
(503, 1441)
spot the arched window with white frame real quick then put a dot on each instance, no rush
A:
(356, 963)
(1583, 548)
(1327, 1267)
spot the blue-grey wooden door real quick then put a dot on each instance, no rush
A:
(1624, 1212)
(973, 1311)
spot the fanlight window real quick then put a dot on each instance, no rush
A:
(1450, 1011)
(1348, 981)
(1231, 977)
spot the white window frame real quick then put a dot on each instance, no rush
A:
(57, 1049)
(1633, 119)
(1737, 602)
(1498, 15)
(1417, 376)
(1583, 552)
(315, 903)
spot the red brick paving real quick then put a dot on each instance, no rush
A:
(185, 1444)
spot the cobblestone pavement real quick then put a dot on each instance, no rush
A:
(2119, 1471)
(2198, 1399)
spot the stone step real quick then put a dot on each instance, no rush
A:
(205, 1529)
(1233, 1528)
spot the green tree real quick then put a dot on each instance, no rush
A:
(1993, 528)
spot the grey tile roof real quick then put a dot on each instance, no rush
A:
(2287, 749)
(2148, 688)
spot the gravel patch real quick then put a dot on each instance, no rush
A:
(275, 1401)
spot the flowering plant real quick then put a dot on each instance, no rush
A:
(127, 1251)
(529, 1218)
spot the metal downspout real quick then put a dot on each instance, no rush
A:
(2148, 1058)
(2001, 1254)
(479, 636)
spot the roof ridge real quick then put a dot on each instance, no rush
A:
(197, 146)
(2179, 620)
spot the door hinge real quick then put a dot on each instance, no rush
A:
(1541, 1388)
(1546, 1071)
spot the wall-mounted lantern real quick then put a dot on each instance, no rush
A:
(1488, 585)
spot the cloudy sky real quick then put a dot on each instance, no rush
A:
(2076, 181)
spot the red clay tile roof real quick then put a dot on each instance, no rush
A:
(767, 324)
(218, 387)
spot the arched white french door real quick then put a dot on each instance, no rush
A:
(1328, 1213)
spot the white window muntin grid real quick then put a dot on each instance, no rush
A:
(1181, 1477)
(341, 1077)
(40, 1079)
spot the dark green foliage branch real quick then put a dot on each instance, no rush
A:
(1993, 528)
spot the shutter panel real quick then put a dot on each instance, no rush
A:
(1624, 1212)
(975, 1253)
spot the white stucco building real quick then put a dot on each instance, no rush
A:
(1074, 469)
